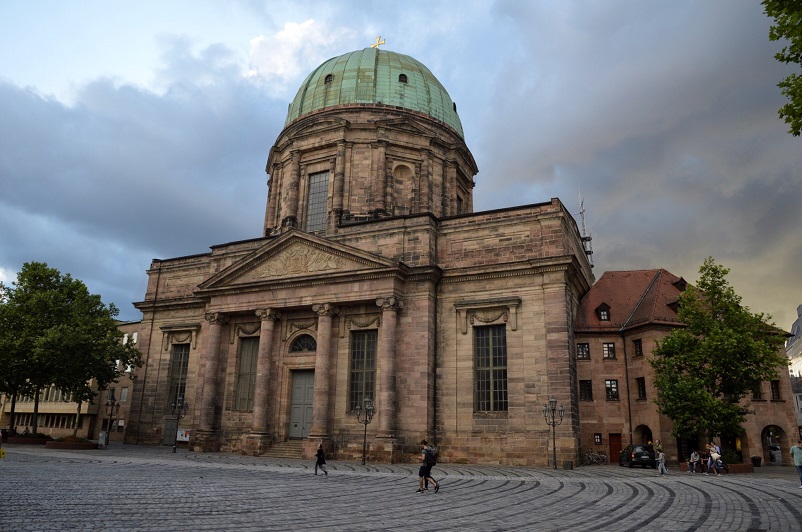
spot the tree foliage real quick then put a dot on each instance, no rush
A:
(54, 332)
(787, 15)
(724, 352)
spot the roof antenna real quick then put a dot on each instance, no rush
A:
(587, 240)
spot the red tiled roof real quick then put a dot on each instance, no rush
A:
(635, 298)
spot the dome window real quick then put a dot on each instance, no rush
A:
(455, 107)
(329, 79)
(402, 78)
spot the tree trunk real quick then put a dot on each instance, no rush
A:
(77, 420)
(35, 421)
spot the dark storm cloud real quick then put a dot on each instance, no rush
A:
(664, 117)
(124, 175)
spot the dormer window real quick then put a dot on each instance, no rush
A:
(603, 312)
(329, 79)
(402, 78)
(681, 284)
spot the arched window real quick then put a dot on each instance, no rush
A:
(402, 78)
(304, 343)
(329, 79)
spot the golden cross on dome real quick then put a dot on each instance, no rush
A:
(379, 42)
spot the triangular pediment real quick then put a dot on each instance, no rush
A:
(296, 255)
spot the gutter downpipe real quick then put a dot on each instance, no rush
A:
(626, 361)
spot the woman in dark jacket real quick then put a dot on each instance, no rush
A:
(321, 460)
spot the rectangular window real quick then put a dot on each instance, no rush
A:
(124, 395)
(775, 391)
(586, 390)
(611, 387)
(179, 363)
(317, 202)
(757, 394)
(246, 372)
(583, 351)
(490, 368)
(638, 347)
(363, 367)
(641, 383)
(608, 350)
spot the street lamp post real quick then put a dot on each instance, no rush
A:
(369, 409)
(550, 412)
(112, 409)
(180, 409)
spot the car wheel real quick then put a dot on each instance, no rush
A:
(630, 465)
(654, 466)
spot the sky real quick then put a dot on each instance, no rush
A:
(138, 130)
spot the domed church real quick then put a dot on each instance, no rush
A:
(373, 290)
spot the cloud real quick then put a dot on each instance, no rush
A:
(278, 60)
(122, 175)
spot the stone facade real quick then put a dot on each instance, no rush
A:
(371, 278)
(640, 310)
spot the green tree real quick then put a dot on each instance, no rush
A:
(54, 332)
(787, 15)
(724, 352)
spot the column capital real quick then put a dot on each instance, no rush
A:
(325, 309)
(390, 303)
(268, 314)
(216, 318)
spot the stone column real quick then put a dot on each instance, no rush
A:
(385, 402)
(320, 400)
(268, 317)
(212, 359)
(271, 218)
(339, 179)
(291, 216)
(380, 196)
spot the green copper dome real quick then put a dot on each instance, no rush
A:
(373, 76)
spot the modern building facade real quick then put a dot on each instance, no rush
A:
(619, 322)
(373, 278)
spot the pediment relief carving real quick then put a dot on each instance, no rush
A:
(294, 255)
(297, 259)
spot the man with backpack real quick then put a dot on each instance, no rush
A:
(428, 460)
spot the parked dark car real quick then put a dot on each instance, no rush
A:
(637, 454)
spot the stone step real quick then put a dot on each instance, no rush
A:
(286, 449)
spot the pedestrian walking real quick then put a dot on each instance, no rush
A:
(796, 454)
(320, 460)
(428, 460)
(693, 462)
(714, 461)
(661, 464)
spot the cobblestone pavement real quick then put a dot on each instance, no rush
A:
(129, 487)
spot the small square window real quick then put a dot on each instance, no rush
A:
(608, 350)
(597, 438)
(583, 351)
(604, 315)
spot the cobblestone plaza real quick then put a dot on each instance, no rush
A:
(128, 487)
